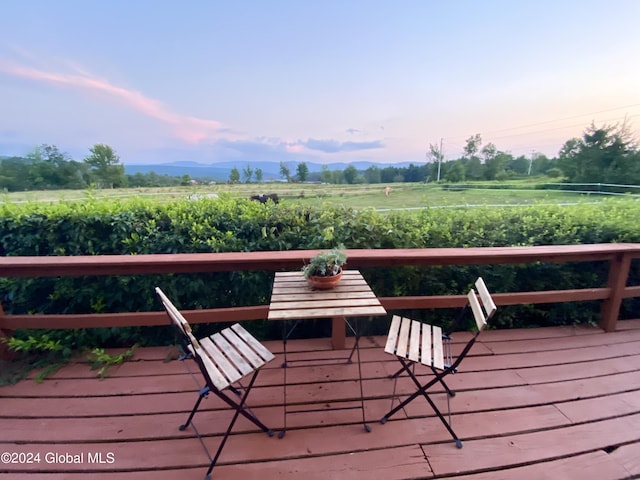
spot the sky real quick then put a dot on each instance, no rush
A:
(317, 81)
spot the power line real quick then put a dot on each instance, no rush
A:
(551, 121)
(539, 147)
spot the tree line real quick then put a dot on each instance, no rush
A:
(606, 154)
(48, 168)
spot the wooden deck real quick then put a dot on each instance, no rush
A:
(531, 404)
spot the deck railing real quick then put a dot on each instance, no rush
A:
(619, 257)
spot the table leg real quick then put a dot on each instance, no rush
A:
(338, 333)
(356, 347)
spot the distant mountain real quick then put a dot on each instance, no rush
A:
(221, 170)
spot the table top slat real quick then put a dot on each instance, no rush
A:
(328, 303)
(319, 295)
(327, 313)
(293, 298)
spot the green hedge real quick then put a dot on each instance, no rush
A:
(140, 226)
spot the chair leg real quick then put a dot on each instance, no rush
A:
(252, 418)
(202, 394)
(206, 390)
(411, 397)
(450, 392)
(422, 390)
(239, 409)
(443, 420)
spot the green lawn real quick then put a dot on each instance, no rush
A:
(402, 195)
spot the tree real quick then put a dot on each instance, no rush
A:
(472, 147)
(48, 168)
(495, 165)
(489, 151)
(14, 174)
(258, 175)
(606, 154)
(350, 174)
(541, 164)
(234, 176)
(519, 166)
(474, 170)
(284, 172)
(390, 174)
(105, 166)
(454, 172)
(415, 173)
(248, 173)
(325, 174)
(372, 175)
(302, 172)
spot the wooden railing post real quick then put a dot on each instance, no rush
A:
(5, 353)
(617, 281)
(338, 333)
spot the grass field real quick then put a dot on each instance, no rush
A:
(402, 195)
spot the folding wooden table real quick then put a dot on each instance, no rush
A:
(292, 299)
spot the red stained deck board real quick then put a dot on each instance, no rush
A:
(516, 450)
(560, 408)
(594, 465)
(629, 457)
(391, 464)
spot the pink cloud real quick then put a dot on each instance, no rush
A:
(188, 128)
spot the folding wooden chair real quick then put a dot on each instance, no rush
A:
(224, 359)
(416, 342)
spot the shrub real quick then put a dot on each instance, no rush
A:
(144, 226)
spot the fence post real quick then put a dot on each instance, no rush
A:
(617, 281)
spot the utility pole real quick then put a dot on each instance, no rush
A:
(440, 159)
(531, 161)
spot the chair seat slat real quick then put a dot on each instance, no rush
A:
(214, 374)
(403, 338)
(219, 360)
(425, 357)
(392, 338)
(414, 342)
(438, 353)
(230, 350)
(246, 358)
(257, 347)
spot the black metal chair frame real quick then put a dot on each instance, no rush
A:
(190, 347)
(449, 366)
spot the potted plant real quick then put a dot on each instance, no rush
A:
(324, 270)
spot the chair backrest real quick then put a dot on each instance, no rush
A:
(484, 308)
(426, 343)
(178, 321)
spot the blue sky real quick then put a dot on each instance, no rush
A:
(323, 81)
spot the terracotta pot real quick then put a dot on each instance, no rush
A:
(324, 283)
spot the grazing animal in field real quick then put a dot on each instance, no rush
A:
(387, 191)
(262, 198)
